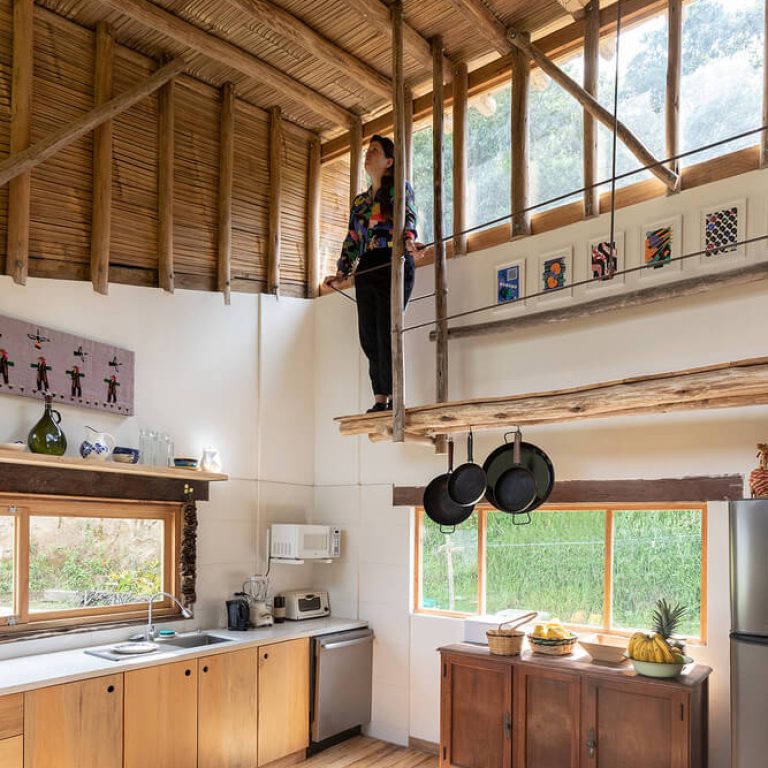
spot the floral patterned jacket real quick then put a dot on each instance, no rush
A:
(369, 230)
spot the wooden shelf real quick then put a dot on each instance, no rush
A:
(727, 385)
(71, 462)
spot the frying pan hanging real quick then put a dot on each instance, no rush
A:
(515, 490)
(439, 506)
(467, 483)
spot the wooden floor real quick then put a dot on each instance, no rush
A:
(364, 752)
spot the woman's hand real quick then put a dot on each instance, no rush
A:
(411, 246)
(332, 280)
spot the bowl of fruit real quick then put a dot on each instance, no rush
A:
(552, 638)
(655, 654)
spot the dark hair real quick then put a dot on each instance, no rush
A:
(385, 194)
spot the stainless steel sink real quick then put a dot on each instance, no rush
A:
(192, 641)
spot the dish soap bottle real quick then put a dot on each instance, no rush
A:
(46, 436)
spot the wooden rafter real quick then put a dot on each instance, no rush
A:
(275, 199)
(166, 121)
(727, 385)
(485, 23)
(226, 179)
(196, 39)
(576, 7)
(296, 31)
(24, 161)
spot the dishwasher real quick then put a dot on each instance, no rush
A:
(341, 672)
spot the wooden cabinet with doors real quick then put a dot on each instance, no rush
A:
(567, 713)
(475, 713)
(75, 724)
(161, 716)
(11, 731)
(283, 699)
(227, 710)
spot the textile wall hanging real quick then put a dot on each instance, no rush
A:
(36, 361)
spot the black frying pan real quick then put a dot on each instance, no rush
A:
(515, 490)
(439, 506)
(466, 485)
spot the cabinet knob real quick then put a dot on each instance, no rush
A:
(507, 725)
(591, 743)
(205, 668)
(266, 656)
(187, 672)
(110, 689)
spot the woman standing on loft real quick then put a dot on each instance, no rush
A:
(368, 246)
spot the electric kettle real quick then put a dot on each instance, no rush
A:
(238, 615)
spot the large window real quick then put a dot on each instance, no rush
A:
(65, 561)
(602, 568)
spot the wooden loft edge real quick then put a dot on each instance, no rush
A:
(725, 385)
(684, 490)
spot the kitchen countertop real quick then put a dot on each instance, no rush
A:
(28, 672)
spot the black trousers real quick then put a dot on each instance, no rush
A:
(374, 321)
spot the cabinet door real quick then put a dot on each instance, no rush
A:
(283, 699)
(12, 752)
(161, 716)
(75, 724)
(634, 725)
(227, 710)
(476, 713)
(547, 714)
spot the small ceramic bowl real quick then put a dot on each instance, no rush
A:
(126, 455)
(186, 463)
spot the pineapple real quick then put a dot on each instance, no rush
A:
(666, 620)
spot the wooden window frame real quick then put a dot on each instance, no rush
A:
(29, 506)
(609, 510)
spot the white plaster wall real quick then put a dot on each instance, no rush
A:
(206, 374)
(711, 328)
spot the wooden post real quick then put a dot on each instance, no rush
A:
(460, 131)
(408, 134)
(355, 158)
(313, 218)
(17, 263)
(275, 198)
(165, 163)
(591, 72)
(521, 86)
(673, 82)
(226, 177)
(764, 141)
(441, 279)
(398, 226)
(101, 221)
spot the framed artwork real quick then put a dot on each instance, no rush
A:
(661, 246)
(723, 227)
(605, 261)
(509, 284)
(555, 275)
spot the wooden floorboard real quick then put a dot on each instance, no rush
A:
(364, 752)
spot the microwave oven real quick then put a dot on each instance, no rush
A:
(304, 542)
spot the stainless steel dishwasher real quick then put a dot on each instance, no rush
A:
(342, 666)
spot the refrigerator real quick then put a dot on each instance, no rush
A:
(749, 632)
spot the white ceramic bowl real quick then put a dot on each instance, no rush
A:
(659, 669)
(605, 649)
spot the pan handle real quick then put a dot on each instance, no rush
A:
(470, 446)
(517, 448)
(515, 515)
(450, 454)
(449, 529)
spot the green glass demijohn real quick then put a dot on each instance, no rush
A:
(46, 436)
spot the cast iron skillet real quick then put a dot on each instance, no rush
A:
(439, 506)
(532, 457)
(467, 483)
(515, 490)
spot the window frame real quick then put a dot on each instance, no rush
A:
(28, 506)
(609, 510)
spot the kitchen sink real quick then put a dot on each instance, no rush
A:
(193, 641)
(171, 645)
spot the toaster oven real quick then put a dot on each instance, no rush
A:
(306, 604)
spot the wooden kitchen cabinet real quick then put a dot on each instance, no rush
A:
(546, 723)
(161, 716)
(475, 713)
(283, 699)
(75, 724)
(227, 707)
(567, 713)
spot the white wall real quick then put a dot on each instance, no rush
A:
(237, 377)
(354, 477)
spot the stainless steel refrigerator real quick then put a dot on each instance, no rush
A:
(749, 632)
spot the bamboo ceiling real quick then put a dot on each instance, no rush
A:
(341, 22)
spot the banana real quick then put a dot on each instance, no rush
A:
(664, 653)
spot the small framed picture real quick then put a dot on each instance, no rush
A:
(555, 275)
(606, 261)
(723, 227)
(510, 283)
(661, 247)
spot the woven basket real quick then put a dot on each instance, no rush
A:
(553, 647)
(508, 642)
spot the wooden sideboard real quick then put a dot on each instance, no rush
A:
(534, 711)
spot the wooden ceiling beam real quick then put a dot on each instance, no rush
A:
(295, 30)
(27, 159)
(577, 8)
(223, 52)
(485, 22)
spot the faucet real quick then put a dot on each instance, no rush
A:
(149, 632)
